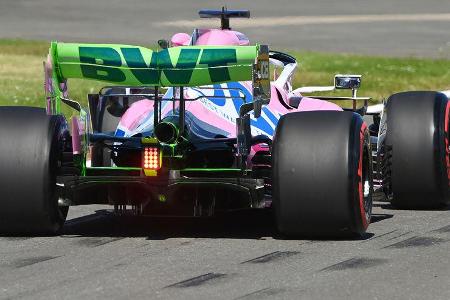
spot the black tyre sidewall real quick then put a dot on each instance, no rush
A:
(30, 162)
(419, 163)
(330, 204)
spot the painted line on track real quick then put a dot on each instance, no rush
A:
(311, 20)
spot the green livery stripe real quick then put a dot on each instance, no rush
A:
(211, 170)
(137, 66)
(115, 168)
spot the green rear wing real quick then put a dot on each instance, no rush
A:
(127, 65)
(138, 66)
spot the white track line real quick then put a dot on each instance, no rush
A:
(311, 20)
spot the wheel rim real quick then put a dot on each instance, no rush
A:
(57, 148)
(366, 184)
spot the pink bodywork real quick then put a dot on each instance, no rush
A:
(180, 39)
(224, 116)
(222, 37)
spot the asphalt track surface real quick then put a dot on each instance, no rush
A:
(404, 255)
(381, 27)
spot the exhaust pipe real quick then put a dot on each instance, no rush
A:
(166, 132)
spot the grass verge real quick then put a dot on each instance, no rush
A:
(21, 73)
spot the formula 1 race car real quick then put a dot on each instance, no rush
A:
(210, 123)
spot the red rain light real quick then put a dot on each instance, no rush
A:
(151, 159)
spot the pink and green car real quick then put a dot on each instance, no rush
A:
(207, 123)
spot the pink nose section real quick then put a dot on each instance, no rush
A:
(180, 39)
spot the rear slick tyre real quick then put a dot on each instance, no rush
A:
(415, 150)
(322, 174)
(30, 152)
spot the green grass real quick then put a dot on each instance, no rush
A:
(21, 73)
(382, 76)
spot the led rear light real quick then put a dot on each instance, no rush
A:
(151, 158)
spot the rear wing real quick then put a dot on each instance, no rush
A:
(139, 66)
